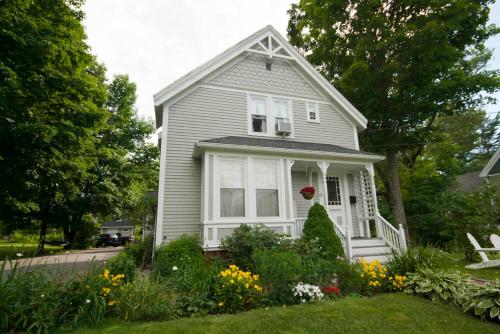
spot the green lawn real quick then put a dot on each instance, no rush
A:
(459, 264)
(10, 250)
(388, 313)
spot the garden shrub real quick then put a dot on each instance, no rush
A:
(484, 301)
(279, 270)
(379, 279)
(246, 239)
(438, 285)
(315, 268)
(176, 255)
(237, 290)
(415, 258)
(141, 251)
(122, 263)
(319, 226)
(349, 278)
(144, 300)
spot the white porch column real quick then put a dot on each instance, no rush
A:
(369, 168)
(323, 166)
(291, 212)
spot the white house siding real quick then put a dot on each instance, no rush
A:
(251, 73)
(354, 211)
(299, 180)
(203, 114)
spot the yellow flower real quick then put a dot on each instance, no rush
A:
(257, 288)
(87, 286)
(112, 302)
(255, 277)
(106, 290)
(105, 274)
(221, 304)
(247, 285)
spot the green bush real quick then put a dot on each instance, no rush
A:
(246, 239)
(315, 268)
(415, 258)
(279, 271)
(438, 285)
(141, 251)
(349, 278)
(484, 301)
(319, 226)
(144, 300)
(122, 263)
(176, 256)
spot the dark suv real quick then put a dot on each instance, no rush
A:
(104, 240)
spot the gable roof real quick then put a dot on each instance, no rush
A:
(253, 44)
(492, 166)
(284, 146)
(117, 223)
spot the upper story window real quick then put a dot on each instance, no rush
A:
(265, 112)
(312, 110)
(259, 114)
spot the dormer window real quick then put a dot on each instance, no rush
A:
(312, 110)
(259, 114)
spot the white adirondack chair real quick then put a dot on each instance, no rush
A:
(486, 263)
(495, 240)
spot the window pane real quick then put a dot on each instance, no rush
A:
(259, 123)
(232, 173)
(312, 115)
(332, 184)
(232, 202)
(266, 175)
(280, 110)
(267, 203)
(258, 106)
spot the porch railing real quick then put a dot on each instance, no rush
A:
(394, 237)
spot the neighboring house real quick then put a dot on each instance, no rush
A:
(469, 182)
(491, 172)
(244, 132)
(122, 227)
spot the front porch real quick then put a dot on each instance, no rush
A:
(251, 186)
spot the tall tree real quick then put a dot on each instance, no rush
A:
(402, 64)
(52, 96)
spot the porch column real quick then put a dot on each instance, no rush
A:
(369, 168)
(291, 212)
(323, 166)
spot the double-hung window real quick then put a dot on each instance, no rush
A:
(312, 110)
(232, 187)
(280, 111)
(266, 188)
(259, 114)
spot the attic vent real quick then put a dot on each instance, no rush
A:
(268, 65)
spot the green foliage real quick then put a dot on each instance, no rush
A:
(417, 257)
(144, 300)
(122, 263)
(246, 239)
(319, 226)
(279, 270)
(177, 256)
(484, 301)
(438, 285)
(349, 278)
(315, 269)
(141, 251)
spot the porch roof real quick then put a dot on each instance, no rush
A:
(283, 146)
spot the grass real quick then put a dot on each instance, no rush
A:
(387, 313)
(9, 250)
(459, 264)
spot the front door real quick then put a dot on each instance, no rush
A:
(336, 199)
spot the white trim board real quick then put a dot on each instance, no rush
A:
(489, 165)
(202, 71)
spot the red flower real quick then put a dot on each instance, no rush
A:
(308, 189)
(331, 290)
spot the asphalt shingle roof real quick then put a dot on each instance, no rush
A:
(284, 144)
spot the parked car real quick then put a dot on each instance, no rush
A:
(103, 240)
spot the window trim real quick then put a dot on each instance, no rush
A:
(315, 105)
(270, 120)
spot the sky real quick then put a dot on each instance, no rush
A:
(157, 41)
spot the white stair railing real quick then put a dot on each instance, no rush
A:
(394, 237)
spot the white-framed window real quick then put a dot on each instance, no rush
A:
(264, 112)
(259, 114)
(312, 110)
(232, 187)
(266, 188)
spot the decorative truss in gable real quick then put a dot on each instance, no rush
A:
(270, 47)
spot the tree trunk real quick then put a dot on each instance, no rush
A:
(43, 234)
(394, 192)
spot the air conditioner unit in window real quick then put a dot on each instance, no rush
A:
(283, 128)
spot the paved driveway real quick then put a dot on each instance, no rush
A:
(67, 262)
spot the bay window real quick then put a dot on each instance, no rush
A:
(232, 187)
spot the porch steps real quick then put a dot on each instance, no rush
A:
(370, 249)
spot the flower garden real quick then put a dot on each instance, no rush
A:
(258, 270)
